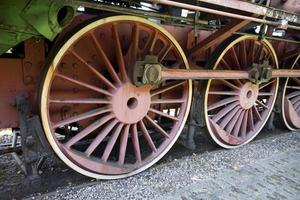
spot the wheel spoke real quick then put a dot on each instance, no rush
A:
(298, 111)
(112, 141)
(167, 101)
(133, 49)
(152, 42)
(229, 84)
(164, 53)
(100, 137)
(297, 104)
(157, 127)
(79, 101)
(235, 58)
(119, 54)
(297, 80)
(251, 119)
(163, 114)
(229, 93)
(88, 130)
(80, 117)
(222, 103)
(251, 51)
(167, 87)
(265, 85)
(239, 82)
(265, 94)
(238, 125)
(291, 54)
(93, 70)
(225, 63)
(258, 53)
(243, 54)
(106, 61)
(293, 94)
(123, 144)
(294, 100)
(96, 89)
(233, 122)
(257, 113)
(136, 145)
(244, 125)
(147, 136)
(262, 104)
(224, 111)
(293, 87)
(229, 117)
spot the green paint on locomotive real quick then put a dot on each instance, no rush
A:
(23, 19)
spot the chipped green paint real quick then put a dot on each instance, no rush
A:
(23, 19)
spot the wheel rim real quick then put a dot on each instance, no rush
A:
(123, 129)
(236, 110)
(291, 100)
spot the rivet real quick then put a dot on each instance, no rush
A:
(63, 65)
(75, 65)
(28, 65)
(28, 79)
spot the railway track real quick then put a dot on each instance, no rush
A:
(213, 159)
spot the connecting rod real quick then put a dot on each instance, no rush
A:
(155, 73)
(201, 74)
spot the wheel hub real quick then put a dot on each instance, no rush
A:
(248, 95)
(130, 104)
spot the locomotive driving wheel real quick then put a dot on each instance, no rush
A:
(291, 100)
(95, 119)
(236, 110)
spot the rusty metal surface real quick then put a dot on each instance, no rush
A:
(19, 77)
(218, 36)
(222, 13)
(289, 10)
(288, 5)
(239, 5)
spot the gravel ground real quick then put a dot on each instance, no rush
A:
(176, 174)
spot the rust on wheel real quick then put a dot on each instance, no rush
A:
(95, 119)
(236, 110)
(291, 100)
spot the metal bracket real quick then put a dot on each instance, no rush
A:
(187, 139)
(34, 146)
(260, 73)
(147, 71)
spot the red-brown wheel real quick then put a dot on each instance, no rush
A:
(236, 110)
(95, 119)
(291, 100)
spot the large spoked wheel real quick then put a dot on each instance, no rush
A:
(95, 119)
(291, 100)
(236, 110)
